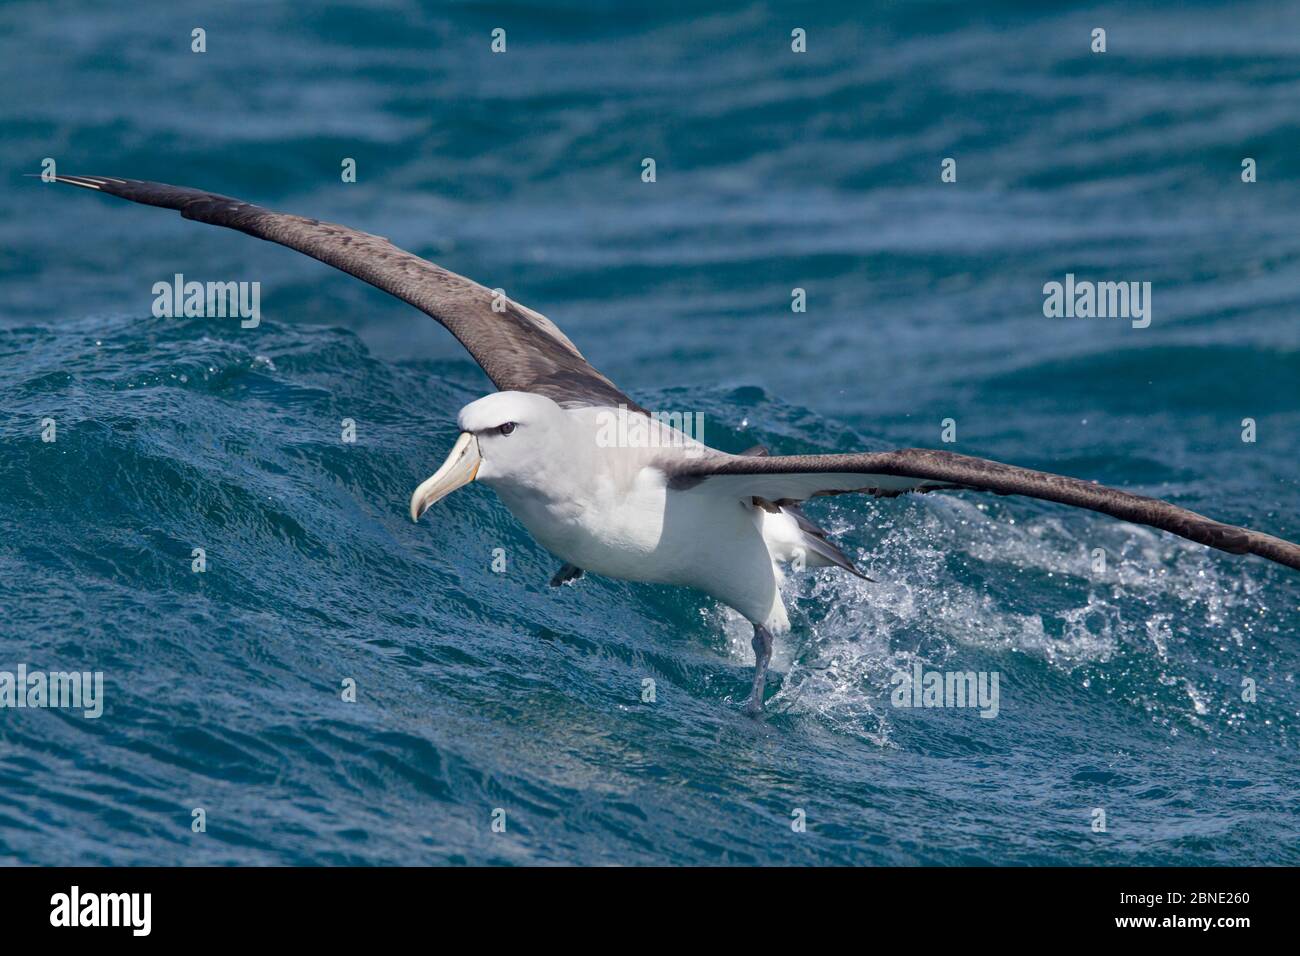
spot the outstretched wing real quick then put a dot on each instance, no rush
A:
(519, 349)
(797, 477)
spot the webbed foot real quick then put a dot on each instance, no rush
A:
(762, 645)
(565, 575)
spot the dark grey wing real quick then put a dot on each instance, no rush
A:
(797, 477)
(519, 349)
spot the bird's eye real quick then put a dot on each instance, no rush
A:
(507, 428)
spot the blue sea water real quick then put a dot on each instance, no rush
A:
(477, 690)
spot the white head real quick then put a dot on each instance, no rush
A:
(503, 437)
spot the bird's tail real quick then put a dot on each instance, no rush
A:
(817, 549)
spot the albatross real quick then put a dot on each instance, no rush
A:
(666, 508)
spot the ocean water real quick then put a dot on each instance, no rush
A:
(477, 690)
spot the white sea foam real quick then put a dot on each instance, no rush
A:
(849, 636)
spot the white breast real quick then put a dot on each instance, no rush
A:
(609, 511)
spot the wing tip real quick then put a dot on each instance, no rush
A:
(85, 182)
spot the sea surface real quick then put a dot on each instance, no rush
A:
(1159, 691)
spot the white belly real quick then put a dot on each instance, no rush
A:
(644, 532)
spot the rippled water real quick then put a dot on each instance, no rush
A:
(479, 690)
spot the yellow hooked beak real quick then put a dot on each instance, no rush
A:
(459, 469)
